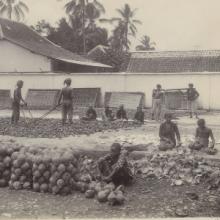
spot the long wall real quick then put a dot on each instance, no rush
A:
(207, 84)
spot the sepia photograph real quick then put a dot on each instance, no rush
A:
(109, 109)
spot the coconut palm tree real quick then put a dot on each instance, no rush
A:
(146, 45)
(126, 23)
(13, 7)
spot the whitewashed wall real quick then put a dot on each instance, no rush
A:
(14, 57)
(206, 84)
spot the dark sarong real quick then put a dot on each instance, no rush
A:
(15, 112)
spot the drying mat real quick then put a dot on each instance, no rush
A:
(41, 98)
(82, 97)
(175, 100)
(130, 101)
(108, 97)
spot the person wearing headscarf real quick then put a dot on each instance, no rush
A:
(192, 96)
(16, 103)
(114, 167)
(157, 101)
(167, 133)
(202, 136)
(67, 104)
(90, 114)
(121, 113)
(139, 116)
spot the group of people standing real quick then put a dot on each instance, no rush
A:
(192, 96)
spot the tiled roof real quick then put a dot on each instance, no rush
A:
(26, 37)
(173, 62)
(98, 49)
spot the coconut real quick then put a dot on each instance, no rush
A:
(42, 168)
(3, 151)
(56, 160)
(89, 194)
(17, 185)
(102, 196)
(72, 183)
(36, 187)
(28, 172)
(120, 198)
(21, 159)
(97, 188)
(92, 185)
(46, 174)
(7, 161)
(53, 181)
(44, 188)
(10, 151)
(14, 156)
(25, 166)
(57, 175)
(55, 189)
(112, 199)
(6, 173)
(41, 180)
(26, 185)
(85, 187)
(34, 167)
(70, 168)
(14, 178)
(1, 159)
(18, 172)
(66, 177)
(61, 168)
(22, 179)
(60, 183)
(53, 168)
(65, 190)
(2, 166)
(37, 174)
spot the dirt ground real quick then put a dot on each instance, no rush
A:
(145, 198)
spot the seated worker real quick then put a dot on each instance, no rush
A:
(114, 167)
(167, 133)
(90, 114)
(202, 136)
(107, 115)
(121, 113)
(139, 116)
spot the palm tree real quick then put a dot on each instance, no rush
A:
(146, 45)
(126, 23)
(13, 7)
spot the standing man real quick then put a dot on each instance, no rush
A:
(67, 105)
(157, 101)
(192, 96)
(16, 103)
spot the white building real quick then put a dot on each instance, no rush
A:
(24, 50)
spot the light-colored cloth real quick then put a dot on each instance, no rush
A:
(156, 105)
(192, 106)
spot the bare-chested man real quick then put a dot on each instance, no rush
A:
(67, 105)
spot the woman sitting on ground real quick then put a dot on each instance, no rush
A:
(114, 167)
(139, 116)
(121, 113)
(202, 136)
(167, 133)
(90, 114)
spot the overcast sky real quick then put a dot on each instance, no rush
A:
(171, 24)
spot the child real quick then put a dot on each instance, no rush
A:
(139, 116)
(67, 105)
(16, 103)
(114, 166)
(202, 136)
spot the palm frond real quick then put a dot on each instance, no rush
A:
(104, 20)
(136, 21)
(133, 13)
(115, 19)
(99, 6)
(132, 31)
(70, 6)
(22, 5)
(133, 26)
(9, 9)
(1, 4)
(17, 14)
(21, 13)
(121, 12)
(3, 10)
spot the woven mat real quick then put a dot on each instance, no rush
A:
(130, 101)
